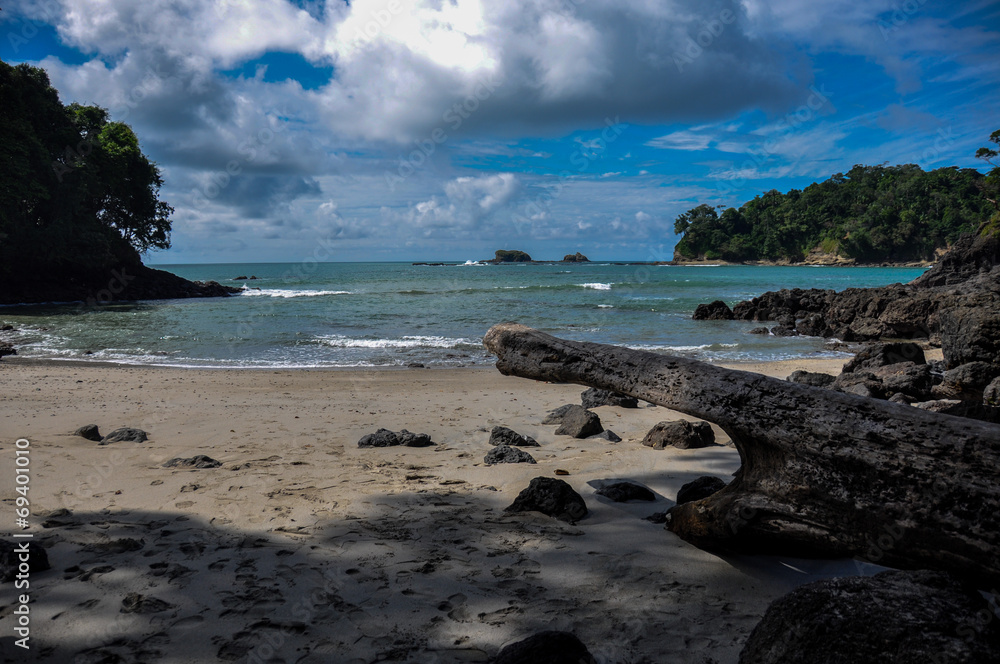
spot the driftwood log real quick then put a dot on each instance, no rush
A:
(823, 473)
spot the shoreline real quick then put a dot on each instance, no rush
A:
(415, 538)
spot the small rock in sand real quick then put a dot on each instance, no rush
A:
(136, 603)
(556, 416)
(504, 436)
(125, 435)
(681, 434)
(386, 438)
(549, 647)
(551, 497)
(703, 487)
(199, 461)
(579, 423)
(10, 559)
(594, 397)
(507, 454)
(622, 492)
(608, 435)
(89, 431)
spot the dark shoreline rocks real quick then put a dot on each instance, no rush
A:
(386, 438)
(579, 422)
(682, 434)
(504, 436)
(507, 454)
(125, 435)
(126, 283)
(594, 398)
(551, 497)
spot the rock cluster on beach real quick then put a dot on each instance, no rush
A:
(386, 438)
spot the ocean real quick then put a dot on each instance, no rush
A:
(396, 314)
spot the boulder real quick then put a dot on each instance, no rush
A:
(125, 435)
(7, 349)
(991, 395)
(900, 617)
(577, 258)
(913, 380)
(717, 310)
(970, 334)
(198, 462)
(507, 454)
(966, 381)
(813, 325)
(622, 492)
(546, 648)
(7, 327)
(386, 438)
(551, 497)
(881, 355)
(759, 330)
(504, 436)
(812, 378)
(682, 434)
(783, 331)
(607, 435)
(579, 423)
(703, 487)
(89, 431)
(10, 559)
(556, 415)
(136, 603)
(594, 398)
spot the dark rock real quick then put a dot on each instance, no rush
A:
(56, 518)
(10, 558)
(657, 517)
(199, 461)
(507, 454)
(556, 416)
(881, 355)
(759, 330)
(546, 648)
(813, 325)
(136, 603)
(946, 406)
(579, 423)
(386, 438)
(594, 398)
(577, 258)
(991, 395)
(782, 331)
(703, 487)
(717, 310)
(7, 349)
(812, 379)
(913, 380)
(966, 381)
(125, 435)
(242, 277)
(681, 434)
(622, 492)
(88, 431)
(511, 256)
(607, 435)
(504, 436)
(900, 617)
(551, 497)
(899, 397)
(7, 328)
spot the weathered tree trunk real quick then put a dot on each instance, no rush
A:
(824, 473)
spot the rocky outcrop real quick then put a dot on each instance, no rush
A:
(551, 497)
(682, 434)
(579, 423)
(578, 258)
(386, 438)
(594, 398)
(511, 256)
(198, 462)
(126, 283)
(904, 617)
(717, 310)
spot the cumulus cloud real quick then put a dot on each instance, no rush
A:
(467, 202)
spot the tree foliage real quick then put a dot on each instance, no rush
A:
(871, 214)
(76, 192)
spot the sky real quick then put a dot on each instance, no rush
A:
(382, 130)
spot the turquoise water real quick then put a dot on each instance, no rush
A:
(394, 314)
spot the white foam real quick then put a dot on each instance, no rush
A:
(339, 341)
(597, 286)
(287, 293)
(605, 306)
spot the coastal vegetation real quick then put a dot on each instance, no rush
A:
(871, 214)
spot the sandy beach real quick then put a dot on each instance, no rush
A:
(303, 548)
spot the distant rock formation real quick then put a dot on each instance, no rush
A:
(511, 256)
(578, 258)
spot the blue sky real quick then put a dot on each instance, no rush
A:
(446, 129)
